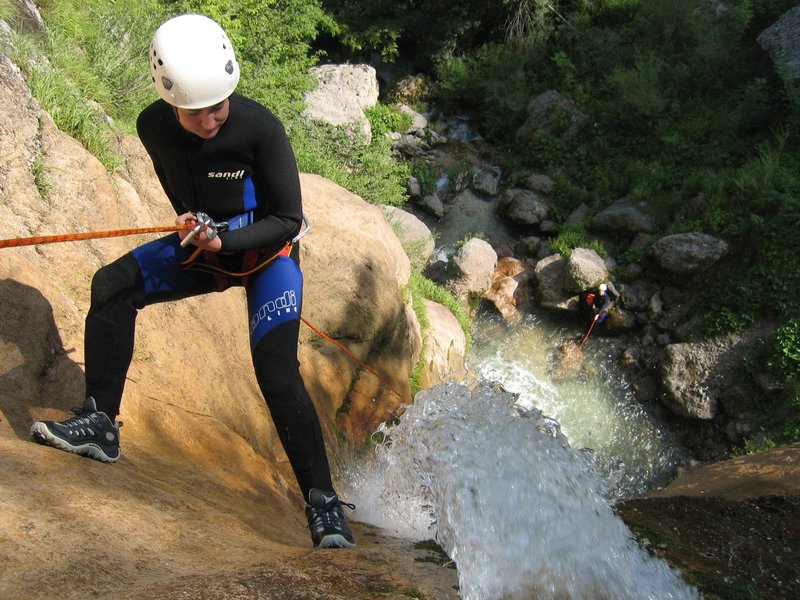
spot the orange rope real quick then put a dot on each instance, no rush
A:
(89, 235)
(354, 357)
(586, 337)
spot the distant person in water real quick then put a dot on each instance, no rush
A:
(595, 304)
(228, 169)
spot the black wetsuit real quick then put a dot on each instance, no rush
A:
(246, 175)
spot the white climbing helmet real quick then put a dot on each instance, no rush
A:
(603, 287)
(192, 62)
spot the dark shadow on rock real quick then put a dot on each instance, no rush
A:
(35, 369)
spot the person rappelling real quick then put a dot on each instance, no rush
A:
(595, 303)
(228, 169)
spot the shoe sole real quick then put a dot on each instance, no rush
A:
(41, 434)
(335, 541)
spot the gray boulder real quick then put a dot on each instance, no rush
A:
(585, 268)
(524, 206)
(485, 181)
(781, 40)
(418, 120)
(415, 236)
(342, 94)
(688, 253)
(432, 204)
(474, 266)
(622, 217)
(553, 114)
(541, 184)
(695, 375)
(549, 274)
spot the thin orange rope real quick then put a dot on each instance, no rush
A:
(89, 235)
(586, 337)
(354, 357)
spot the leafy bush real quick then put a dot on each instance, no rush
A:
(493, 83)
(340, 154)
(638, 88)
(574, 236)
(787, 356)
(385, 119)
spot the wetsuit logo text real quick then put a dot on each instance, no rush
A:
(226, 174)
(281, 305)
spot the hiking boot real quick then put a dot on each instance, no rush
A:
(91, 433)
(326, 520)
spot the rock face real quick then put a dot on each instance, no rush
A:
(415, 236)
(199, 452)
(354, 267)
(445, 348)
(509, 289)
(694, 375)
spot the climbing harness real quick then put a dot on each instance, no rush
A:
(252, 260)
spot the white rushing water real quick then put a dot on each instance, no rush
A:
(522, 513)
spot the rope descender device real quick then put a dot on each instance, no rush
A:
(207, 224)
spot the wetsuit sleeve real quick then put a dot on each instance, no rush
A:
(277, 183)
(144, 132)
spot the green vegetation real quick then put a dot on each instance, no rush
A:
(9, 11)
(39, 171)
(88, 69)
(687, 113)
(574, 236)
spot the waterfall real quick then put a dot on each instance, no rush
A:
(521, 512)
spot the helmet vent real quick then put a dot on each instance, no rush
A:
(229, 67)
(167, 83)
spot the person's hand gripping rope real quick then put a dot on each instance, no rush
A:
(201, 230)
